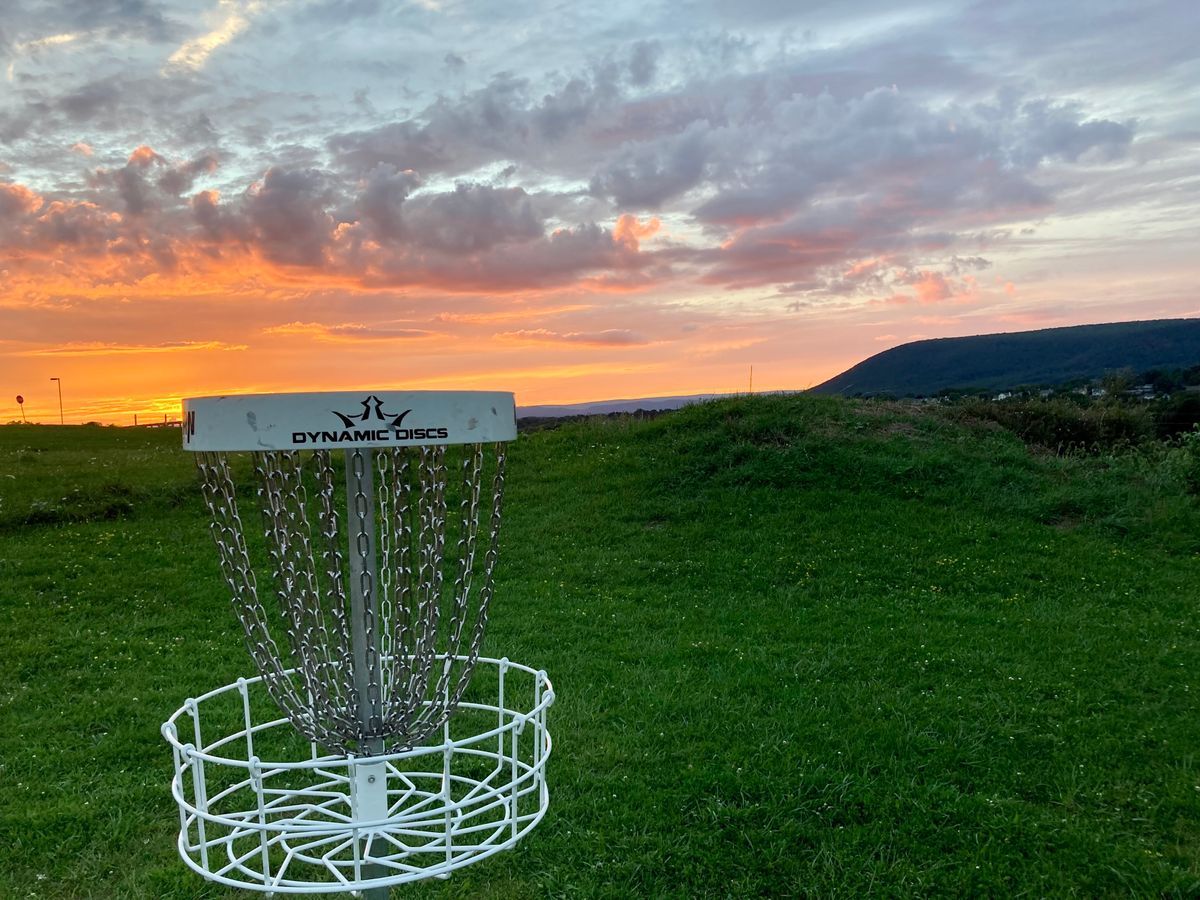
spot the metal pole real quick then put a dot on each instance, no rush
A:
(360, 503)
(60, 411)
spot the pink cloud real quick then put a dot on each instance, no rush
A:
(932, 287)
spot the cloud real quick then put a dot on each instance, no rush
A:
(650, 174)
(399, 146)
(629, 230)
(92, 100)
(218, 225)
(383, 193)
(100, 348)
(563, 257)
(193, 54)
(179, 179)
(52, 40)
(776, 169)
(140, 19)
(287, 214)
(930, 287)
(16, 201)
(643, 62)
(471, 218)
(348, 331)
(609, 337)
(468, 219)
(504, 119)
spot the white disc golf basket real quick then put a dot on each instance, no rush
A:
(375, 746)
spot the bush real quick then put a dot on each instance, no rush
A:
(1177, 415)
(1189, 453)
(1062, 425)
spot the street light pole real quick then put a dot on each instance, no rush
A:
(60, 411)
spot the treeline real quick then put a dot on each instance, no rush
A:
(1170, 381)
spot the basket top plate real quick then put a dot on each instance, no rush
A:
(347, 419)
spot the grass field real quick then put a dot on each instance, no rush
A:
(800, 646)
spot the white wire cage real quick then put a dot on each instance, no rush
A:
(376, 746)
(315, 824)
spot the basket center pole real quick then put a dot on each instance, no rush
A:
(364, 635)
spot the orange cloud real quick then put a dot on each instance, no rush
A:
(609, 337)
(18, 199)
(144, 156)
(509, 314)
(630, 231)
(348, 331)
(864, 267)
(100, 348)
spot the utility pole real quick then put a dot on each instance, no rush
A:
(752, 379)
(60, 412)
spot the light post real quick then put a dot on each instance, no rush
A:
(60, 412)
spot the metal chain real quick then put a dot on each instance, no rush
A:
(383, 532)
(396, 514)
(335, 579)
(362, 513)
(286, 529)
(400, 516)
(228, 534)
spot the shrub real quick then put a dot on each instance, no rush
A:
(1177, 415)
(1189, 452)
(1062, 425)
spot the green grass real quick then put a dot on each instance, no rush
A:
(800, 646)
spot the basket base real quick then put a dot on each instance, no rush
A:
(331, 824)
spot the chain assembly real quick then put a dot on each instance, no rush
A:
(373, 601)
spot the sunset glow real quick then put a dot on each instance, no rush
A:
(239, 196)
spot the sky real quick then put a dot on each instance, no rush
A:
(573, 201)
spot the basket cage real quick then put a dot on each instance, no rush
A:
(375, 745)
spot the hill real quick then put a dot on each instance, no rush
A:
(801, 646)
(1048, 356)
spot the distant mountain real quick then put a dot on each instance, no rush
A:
(603, 407)
(1046, 357)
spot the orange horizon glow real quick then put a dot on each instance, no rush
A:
(136, 343)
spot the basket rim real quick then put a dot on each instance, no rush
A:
(190, 707)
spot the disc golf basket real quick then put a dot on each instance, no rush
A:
(375, 746)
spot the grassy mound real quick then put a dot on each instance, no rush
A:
(801, 646)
